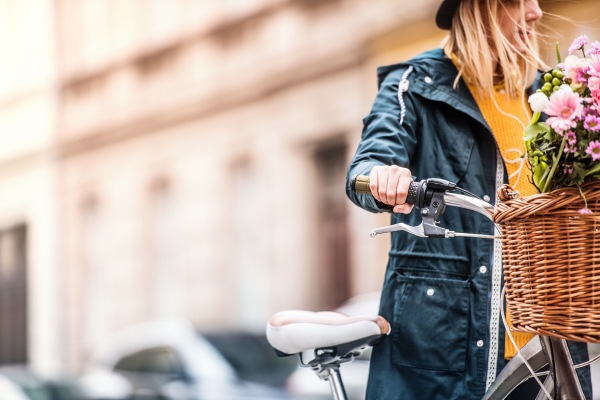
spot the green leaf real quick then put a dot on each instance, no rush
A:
(541, 171)
(578, 175)
(533, 130)
(546, 146)
(594, 170)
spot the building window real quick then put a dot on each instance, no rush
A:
(96, 306)
(13, 295)
(332, 224)
(169, 282)
(251, 272)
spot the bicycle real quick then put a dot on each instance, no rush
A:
(338, 339)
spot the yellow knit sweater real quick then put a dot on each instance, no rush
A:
(509, 136)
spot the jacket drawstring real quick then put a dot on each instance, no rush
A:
(403, 87)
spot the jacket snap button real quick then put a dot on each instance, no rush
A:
(486, 198)
(483, 269)
(480, 343)
(430, 292)
(427, 79)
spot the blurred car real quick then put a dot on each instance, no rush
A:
(20, 383)
(252, 357)
(304, 383)
(166, 360)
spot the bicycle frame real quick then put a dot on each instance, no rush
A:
(561, 379)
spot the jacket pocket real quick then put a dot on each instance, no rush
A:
(431, 321)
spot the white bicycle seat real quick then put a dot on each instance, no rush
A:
(295, 331)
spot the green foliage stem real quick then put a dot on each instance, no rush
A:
(582, 195)
(548, 184)
(558, 54)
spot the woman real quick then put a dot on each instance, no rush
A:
(459, 116)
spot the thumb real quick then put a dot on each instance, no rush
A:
(403, 208)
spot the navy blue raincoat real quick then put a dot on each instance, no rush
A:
(446, 343)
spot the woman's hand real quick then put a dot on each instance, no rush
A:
(389, 185)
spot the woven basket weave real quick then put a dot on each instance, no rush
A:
(552, 262)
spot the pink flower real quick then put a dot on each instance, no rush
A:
(594, 150)
(594, 86)
(594, 49)
(578, 43)
(589, 111)
(592, 123)
(571, 138)
(585, 211)
(594, 63)
(583, 74)
(570, 148)
(565, 109)
(568, 169)
(578, 69)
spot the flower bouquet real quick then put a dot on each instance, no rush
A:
(551, 240)
(565, 150)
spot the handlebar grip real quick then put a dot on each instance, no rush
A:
(360, 184)
(413, 191)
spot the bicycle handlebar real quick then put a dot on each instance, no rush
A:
(430, 196)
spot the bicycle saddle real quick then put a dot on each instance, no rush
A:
(294, 331)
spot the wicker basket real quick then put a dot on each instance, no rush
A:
(552, 262)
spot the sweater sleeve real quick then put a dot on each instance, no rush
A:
(384, 141)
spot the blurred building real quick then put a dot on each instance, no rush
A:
(203, 149)
(186, 159)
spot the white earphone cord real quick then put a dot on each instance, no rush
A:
(512, 339)
(520, 159)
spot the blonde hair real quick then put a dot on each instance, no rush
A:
(478, 42)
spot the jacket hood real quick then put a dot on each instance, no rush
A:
(433, 62)
(437, 66)
(433, 78)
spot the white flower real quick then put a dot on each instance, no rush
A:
(565, 87)
(538, 102)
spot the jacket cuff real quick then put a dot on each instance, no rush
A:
(366, 201)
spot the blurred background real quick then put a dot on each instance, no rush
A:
(184, 161)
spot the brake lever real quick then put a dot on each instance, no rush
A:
(419, 231)
(413, 230)
(430, 228)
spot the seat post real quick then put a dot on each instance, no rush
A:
(335, 382)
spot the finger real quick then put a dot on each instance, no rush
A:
(402, 190)
(392, 186)
(382, 176)
(373, 180)
(403, 208)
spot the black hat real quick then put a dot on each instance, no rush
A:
(445, 13)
